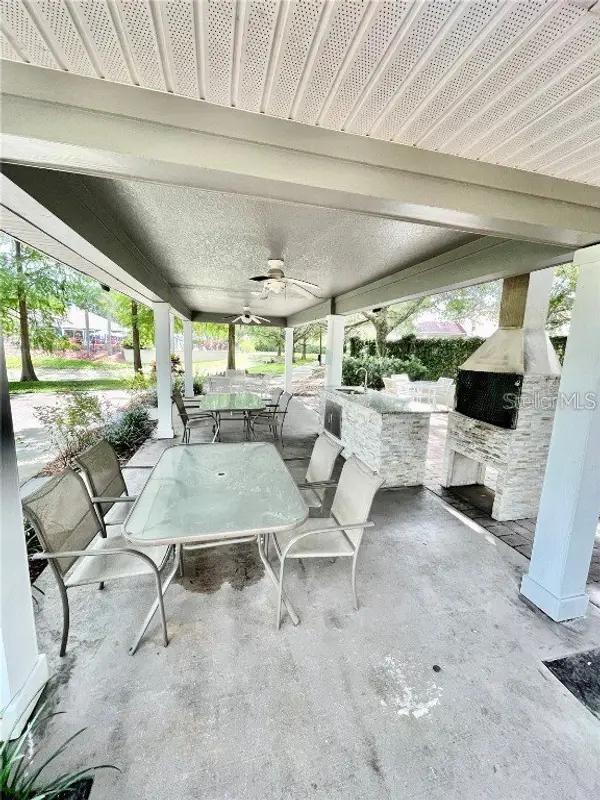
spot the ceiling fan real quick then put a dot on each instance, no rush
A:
(276, 282)
(246, 317)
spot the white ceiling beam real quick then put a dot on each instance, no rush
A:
(312, 314)
(67, 122)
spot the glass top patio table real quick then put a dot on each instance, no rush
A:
(202, 492)
(227, 401)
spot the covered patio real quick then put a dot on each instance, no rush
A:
(436, 686)
(375, 172)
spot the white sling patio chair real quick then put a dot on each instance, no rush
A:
(78, 551)
(103, 475)
(338, 536)
(317, 479)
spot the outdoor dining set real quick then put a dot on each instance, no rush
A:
(202, 495)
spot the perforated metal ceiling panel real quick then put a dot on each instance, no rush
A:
(511, 83)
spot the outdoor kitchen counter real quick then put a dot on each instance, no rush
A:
(388, 433)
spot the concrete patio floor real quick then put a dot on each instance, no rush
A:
(434, 689)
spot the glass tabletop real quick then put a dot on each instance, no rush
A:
(228, 401)
(211, 491)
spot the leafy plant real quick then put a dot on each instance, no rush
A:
(73, 424)
(21, 778)
(378, 368)
(129, 430)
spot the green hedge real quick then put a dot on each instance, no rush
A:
(440, 357)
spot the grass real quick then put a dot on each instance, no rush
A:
(25, 387)
(277, 368)
(59, 362)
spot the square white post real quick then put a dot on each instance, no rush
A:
(288, 359)
(570, 502)
(335, 350)
(162, 343)
(188, 357)
(24, 671)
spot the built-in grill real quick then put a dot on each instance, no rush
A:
(505, 397)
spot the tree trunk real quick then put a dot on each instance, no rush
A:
(27, 370)
(279, 346)
(135, 338)
(304, 350)
(231, 346)
(320, 344)
(381, 332)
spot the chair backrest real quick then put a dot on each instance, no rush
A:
(284, 402)
(102, 472)
(180, 405)
(276, 396)
(63, 516)
(322, 460)
(354, 496)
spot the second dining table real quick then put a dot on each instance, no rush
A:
(222, 403)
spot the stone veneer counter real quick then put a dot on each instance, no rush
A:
(388, 433)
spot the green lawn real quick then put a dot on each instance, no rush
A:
(58, 362)
(278, 367)
(23, 387)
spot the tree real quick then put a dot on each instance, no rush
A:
(562, 296)
(385, 320)
(33, 295)
(140, 321)
(87, 294)
(231, 346)
(303, 334)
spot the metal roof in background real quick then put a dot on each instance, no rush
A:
(509, 83)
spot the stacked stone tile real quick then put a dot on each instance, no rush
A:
(394, 444)
(519, 455)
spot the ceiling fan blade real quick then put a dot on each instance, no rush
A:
(233, 320)
(260, 278)
(305, 284)
(304, 290)
(263, 319)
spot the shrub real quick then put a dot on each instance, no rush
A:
(129, 430)
(377, 369)
(441, 357)
(141, 393)
(73, 424)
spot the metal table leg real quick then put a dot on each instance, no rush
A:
(154, 607)
(290, 608)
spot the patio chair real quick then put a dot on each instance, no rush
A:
(104, 477)
(272, 418)
(317, 479)
(78, 551)
(338, 536)
(189, 417)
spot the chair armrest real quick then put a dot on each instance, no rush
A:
(113, 551)
(330, 529)
(297, 458)
(137, 466)
(127, 498)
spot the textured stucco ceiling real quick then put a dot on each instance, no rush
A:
(209, 244)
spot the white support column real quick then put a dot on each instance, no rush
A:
(171, 332)
(288, 359)
(335, 350)
(162, 341)
(570, 502)
(24, 671)
(188, 357)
